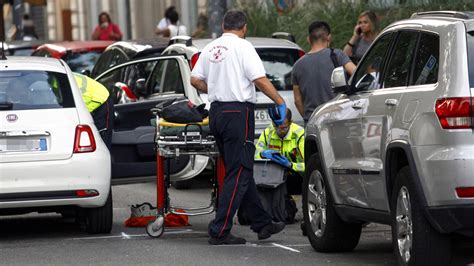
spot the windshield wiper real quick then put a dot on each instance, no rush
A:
(6, 105)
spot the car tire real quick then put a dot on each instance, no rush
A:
(183, 184)
(330, 234)
(99, 220)
(411, 231)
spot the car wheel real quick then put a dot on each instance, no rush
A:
(325, 230)
(183, 184)
(415, 241)
(99, 220)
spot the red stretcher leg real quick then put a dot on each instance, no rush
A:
(160, 183)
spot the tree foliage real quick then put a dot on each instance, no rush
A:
(263, 18)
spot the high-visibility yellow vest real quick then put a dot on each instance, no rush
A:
(94, 94)
(292, 146)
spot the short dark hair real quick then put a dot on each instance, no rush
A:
(173, 16)
(168, 11)
(287, 116)
(234, 20)
(318, 30)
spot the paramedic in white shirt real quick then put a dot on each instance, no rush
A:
(228, 70)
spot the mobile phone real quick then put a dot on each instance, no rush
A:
(359, 31)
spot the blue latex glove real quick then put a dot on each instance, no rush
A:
(281, 160)
(268, 154)
(278, 114)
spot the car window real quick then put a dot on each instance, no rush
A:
(369, 70)
(398, 68)
(166, 78)
(42, 53)
(26, 90)
(82, 61)
(21, 52)
(117, 58)
(470, 57)
(427, 60)
(108, 59)
(101, 64)
(127, 75)
(278, 63)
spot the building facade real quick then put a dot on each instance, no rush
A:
(58, 20)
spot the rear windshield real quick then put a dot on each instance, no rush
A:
(79, 62)
(26, 90)
(470, 57)
(278, 64)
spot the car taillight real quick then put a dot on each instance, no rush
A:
(465, 192)
(455, 113)
(194, 60)
(84, 140)
(301, 53)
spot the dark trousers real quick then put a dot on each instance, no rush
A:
(104, 121)
(233, 125)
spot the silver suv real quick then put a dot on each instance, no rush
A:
(278, 55)
(396, 145)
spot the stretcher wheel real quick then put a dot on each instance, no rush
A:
(156, 228)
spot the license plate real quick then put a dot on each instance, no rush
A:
(262, 116)
(23, 145)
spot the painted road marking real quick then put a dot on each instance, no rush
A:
(273, 245)
(285, 247)
(126, 236)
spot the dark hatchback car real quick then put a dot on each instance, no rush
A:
(81, 56)
(124, 51)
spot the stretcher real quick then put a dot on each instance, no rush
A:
(171, 141)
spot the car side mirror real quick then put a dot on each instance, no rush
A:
(86, 72)
(140, 88)
(338, 81)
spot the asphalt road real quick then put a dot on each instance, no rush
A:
(50, 239)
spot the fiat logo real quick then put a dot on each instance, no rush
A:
(12, 118)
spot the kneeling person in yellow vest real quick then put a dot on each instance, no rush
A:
(284, 145)
(287, 140)
(100, 105)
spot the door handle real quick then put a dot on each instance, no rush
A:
(357, 105)
(391, 102)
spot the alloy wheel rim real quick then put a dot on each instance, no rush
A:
(317, 203)
(404, 224)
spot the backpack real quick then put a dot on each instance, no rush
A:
(334, 58)
(181, 111)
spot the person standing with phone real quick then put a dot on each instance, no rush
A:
(106, 30)
(365, 31)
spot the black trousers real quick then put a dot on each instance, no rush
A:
(233, 126)
(104, 121)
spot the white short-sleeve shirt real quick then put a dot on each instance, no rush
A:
(229, 65)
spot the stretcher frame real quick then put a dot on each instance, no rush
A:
(167, 149)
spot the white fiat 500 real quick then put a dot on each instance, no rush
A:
(52, 158)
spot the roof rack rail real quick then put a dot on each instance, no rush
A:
(181, 39)
(284, 35)
(449, 14)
